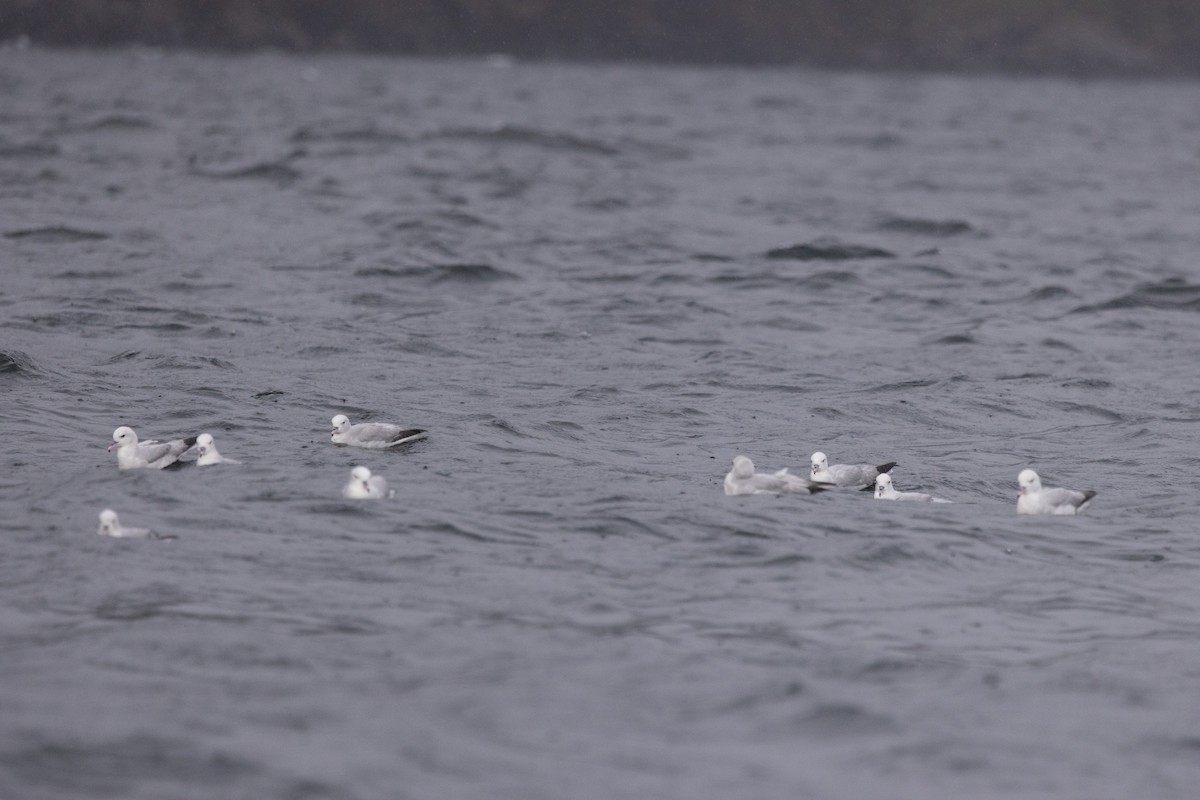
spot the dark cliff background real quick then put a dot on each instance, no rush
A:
(1084, 37)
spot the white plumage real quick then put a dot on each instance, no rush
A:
(372, 435)
(1033, 499)
(742, 479)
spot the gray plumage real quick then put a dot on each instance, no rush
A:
(846, 474)
(372, 435)
(150, 454)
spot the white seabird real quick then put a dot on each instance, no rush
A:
(1033, 499)
(862, 475)
(207, 449)
(372, 435)
(365, 486)
(742, 479)
(885, 491)
(110, 525)
(150, 454)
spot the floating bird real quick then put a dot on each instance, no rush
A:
(742, 479)
(1033, 499)
(846, 474)
(110, 525)
(150, 454)
(372, 435)
(365, 486)
(208, 452)
(885, 491)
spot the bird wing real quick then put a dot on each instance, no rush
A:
(1063, 497)
(853, 474)
(152, 451)
(382, 433)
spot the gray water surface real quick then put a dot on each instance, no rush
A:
(595, 285)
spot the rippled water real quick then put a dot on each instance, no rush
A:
(595, 285)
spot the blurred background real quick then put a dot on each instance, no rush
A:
(1079, 37)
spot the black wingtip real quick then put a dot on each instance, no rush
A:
(408, 435)
(870, 487)
(190, 441)
(886, 467)
(1088, 495)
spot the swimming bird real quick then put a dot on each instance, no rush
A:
(150, 454)
(885, 491)
(365, 486)
(208, 452)
(846, 474)
(110, 525)
(1033, 499)
(742, 479)
(372, 435)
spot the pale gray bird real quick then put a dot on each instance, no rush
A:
(861, 475)
(372, 435)
(365, 486)
(150, 454)
(885, 491)
(110, 525)
(742, 479)
(1033, 499)
(207, 449)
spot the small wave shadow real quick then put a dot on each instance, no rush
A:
(55, 234)
(519, 135)
(919, 226)
(14, 363)
(828, 249)
(1173, 294)
(442, 273)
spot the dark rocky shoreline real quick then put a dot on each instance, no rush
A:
(1113, 37)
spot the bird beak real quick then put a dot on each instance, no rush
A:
(113, 446)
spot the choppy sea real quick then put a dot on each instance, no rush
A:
(594, 285)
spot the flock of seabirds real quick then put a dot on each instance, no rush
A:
(743, 479)
(1032, 497)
